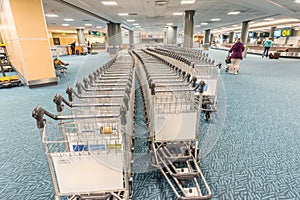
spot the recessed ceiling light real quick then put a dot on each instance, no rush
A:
(135, 24)
(123, 14)
(98, 26)
(204, 23)
(109, 3)
(197, 26)
(65, 24)
(178, 13)
(215, 19)
(88, 24)
(187, 1)
(234, 13)
(269, 19)
(51, 15)
(169, 24)
(130, 20)
(161, 2)
(81, 27)
(68, 20)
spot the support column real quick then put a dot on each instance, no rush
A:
(80, 36)
(131, 39)
(172, 35)
(211, 38)
(231, 34)
(244, 33)
(140, 38)
(206, 39)
(207, 36)
(272, 32)
(114, 37)
(189, 29)
(26, 36)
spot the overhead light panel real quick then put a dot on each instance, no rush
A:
(297, 1)
(197, 26)
(109, 3)
(169, 24)
(88, 24)
(188, 1)
(51, 15)
(99, 27)
(135, 24)
(130, 20)
(161, 2)
(178, 13)
(123, 14)
(234, 13)
(68, 20)
(204, 23)
(215, 19)
(65, 24)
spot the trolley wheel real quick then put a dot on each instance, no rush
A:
(152, 158)
(207, 115)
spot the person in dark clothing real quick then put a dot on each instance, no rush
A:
(236, 56)
(73, 45)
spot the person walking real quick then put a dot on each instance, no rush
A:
(267, 45)
(236, 56)
(73, 46)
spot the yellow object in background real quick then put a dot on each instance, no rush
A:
(9, 78)
(106, 130)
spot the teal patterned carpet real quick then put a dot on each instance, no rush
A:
(249, 149)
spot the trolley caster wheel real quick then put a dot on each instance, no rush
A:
(207, 116)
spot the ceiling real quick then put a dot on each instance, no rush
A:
(153, 17)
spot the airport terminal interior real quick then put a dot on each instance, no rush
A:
(150, 99)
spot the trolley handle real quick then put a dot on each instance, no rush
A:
(38, 113)
(58, 100)
(70, 91)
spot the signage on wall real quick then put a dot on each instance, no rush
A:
(286, 32)
(96, 33)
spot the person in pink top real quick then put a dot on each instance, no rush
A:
(236, 56)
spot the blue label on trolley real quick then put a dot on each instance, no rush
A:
(80, 147)
(93, 147)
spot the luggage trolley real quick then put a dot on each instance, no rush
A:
(89, 150)
(173, 129)
(203, 70)
(208, 77)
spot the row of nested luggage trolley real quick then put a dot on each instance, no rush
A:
(89, 143)
(168, 82)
